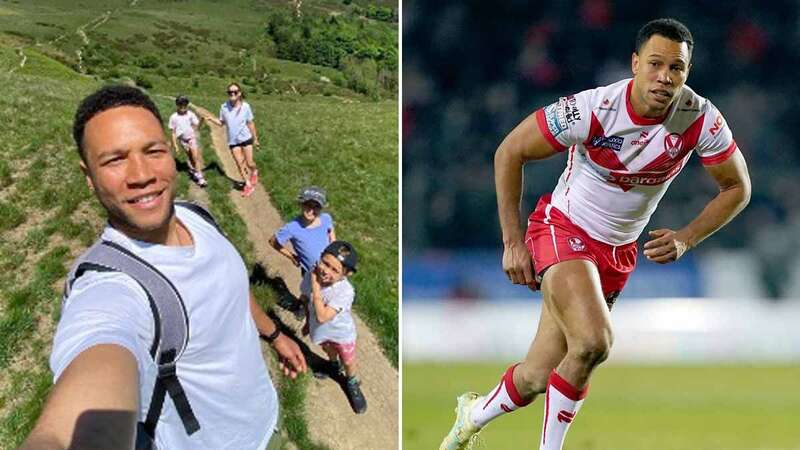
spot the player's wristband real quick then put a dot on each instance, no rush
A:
(274, 335)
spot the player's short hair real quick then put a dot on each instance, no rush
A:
(669, 28)
(105, 98)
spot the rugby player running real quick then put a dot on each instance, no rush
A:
(625, 144)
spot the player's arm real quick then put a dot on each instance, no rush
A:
(734, 194)
(323, 312)
(273, 241)
(291, 357)
(93, 404)
(525, 143)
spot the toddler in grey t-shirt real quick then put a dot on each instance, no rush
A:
(330, 296)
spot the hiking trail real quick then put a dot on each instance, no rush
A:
(330, 419)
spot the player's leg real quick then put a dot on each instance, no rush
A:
(545, 353)
(522, 382)
(517, 388)
(573, 295)
(251, 164)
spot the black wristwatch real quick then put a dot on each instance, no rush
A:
(271, 337)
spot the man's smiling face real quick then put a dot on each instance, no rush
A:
(129, 165)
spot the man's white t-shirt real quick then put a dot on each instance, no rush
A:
(339, 296)
(222, 370)
(183, 124)
(620, 164)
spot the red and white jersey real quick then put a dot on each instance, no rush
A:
(620, 164)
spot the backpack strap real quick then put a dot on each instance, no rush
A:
(171, 324)
(202, 212)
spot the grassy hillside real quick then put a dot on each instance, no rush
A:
(189, 46)
(313, 126)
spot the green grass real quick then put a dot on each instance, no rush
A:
(628, 408)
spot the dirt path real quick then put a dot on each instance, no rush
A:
(330, 419)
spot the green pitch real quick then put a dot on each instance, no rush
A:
(628, 408)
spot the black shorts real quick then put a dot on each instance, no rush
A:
(242, 144)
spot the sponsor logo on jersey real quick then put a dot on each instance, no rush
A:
(560, 115)
(556, 124)
(571, 111)
(688, 107)
(642, 139)
(717, 125)
(606, 106)
(610, 142)
(673, 144)
(576, 244)
(627, 180)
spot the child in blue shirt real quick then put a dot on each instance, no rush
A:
(310, 232)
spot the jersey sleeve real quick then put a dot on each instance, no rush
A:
(173, 123)
(284, 233)
(566, 122)
(194, 119)
(248, 117)
(716, 143)
(222, 113)
(341, 299)
(103, 310)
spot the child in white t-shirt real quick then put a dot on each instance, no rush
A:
(184, 124)
(330, 298)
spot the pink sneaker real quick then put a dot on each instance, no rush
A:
(254, 178)
(248, 190)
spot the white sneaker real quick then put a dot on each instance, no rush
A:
(464, 433)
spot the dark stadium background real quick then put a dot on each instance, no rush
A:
(473, 69)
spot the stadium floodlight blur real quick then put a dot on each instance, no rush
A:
(472, 70)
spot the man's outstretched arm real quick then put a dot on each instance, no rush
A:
(93, 404)
(734, 194)
(290, 357)
(524, 143)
